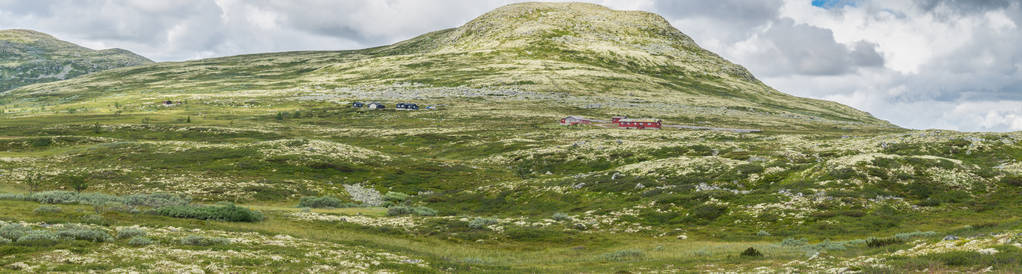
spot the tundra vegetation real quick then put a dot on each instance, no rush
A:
(261, 164)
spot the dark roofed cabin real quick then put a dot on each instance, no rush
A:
(357, 104)
(406, 106)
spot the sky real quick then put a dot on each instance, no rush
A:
(947, 64)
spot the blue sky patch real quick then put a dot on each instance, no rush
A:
(829, 4)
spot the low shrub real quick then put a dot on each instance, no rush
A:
(623, 255)
(223, 212)
(828, 245)
(882, 242)
(792, 242)
(204, 241)
(320, 202)
(480, 222)
(140, 241)
(46, 209)
(1012, 180)
(156, 200)
(410, 210)
(13, 231)
(709, 212)
(561, 217)
(13, 197)
(38, 238)
(54, 197)
(395, 198)
(909, 235)
(95, 220)
(751, 252)
(130, 232)
(84, 234)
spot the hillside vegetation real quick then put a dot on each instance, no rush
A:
(269, 167)
(29, 57)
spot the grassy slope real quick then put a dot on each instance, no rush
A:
(266, 129)
(28, 57)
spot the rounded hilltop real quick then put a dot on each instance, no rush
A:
(517, 24)
(23, 36)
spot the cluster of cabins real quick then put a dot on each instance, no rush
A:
(619, 121)
(398, 106)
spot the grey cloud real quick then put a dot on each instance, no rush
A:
(729, 20)
(865, 55)
(966, 6)
(791, 48)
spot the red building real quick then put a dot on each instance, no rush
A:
(637, 123)
(574, 120)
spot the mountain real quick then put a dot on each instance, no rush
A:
(486, 179)
(625, 62)
(28, 57)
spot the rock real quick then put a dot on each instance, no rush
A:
(950, 238)
(682, 237)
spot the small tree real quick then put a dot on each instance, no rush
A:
(76, 182)
(751, 252)
(188, 119)
(34, 182)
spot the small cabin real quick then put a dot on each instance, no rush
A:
(406, 106)
(638, 123)
(357, 105)
(375, 105)
(574, 120)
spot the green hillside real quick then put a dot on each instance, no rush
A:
(487, 180)
(29, 57)
(586, 56)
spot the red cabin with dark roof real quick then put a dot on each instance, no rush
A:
(638, 123)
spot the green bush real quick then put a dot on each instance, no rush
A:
(751, 252)
(38, 238)
(84, 234)
(140, 241)
(130, 232)
(394, 197)
(623, 255)
(908, 235)
(13, 231)
(95, 220)
(320, 202)
(409, 210)
(204, 241)
(156, 200)
(1012, 180)
(46, 209)
(223, 212)
(480, 223)
(709, 212)
(792, 242)
(882, 242)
